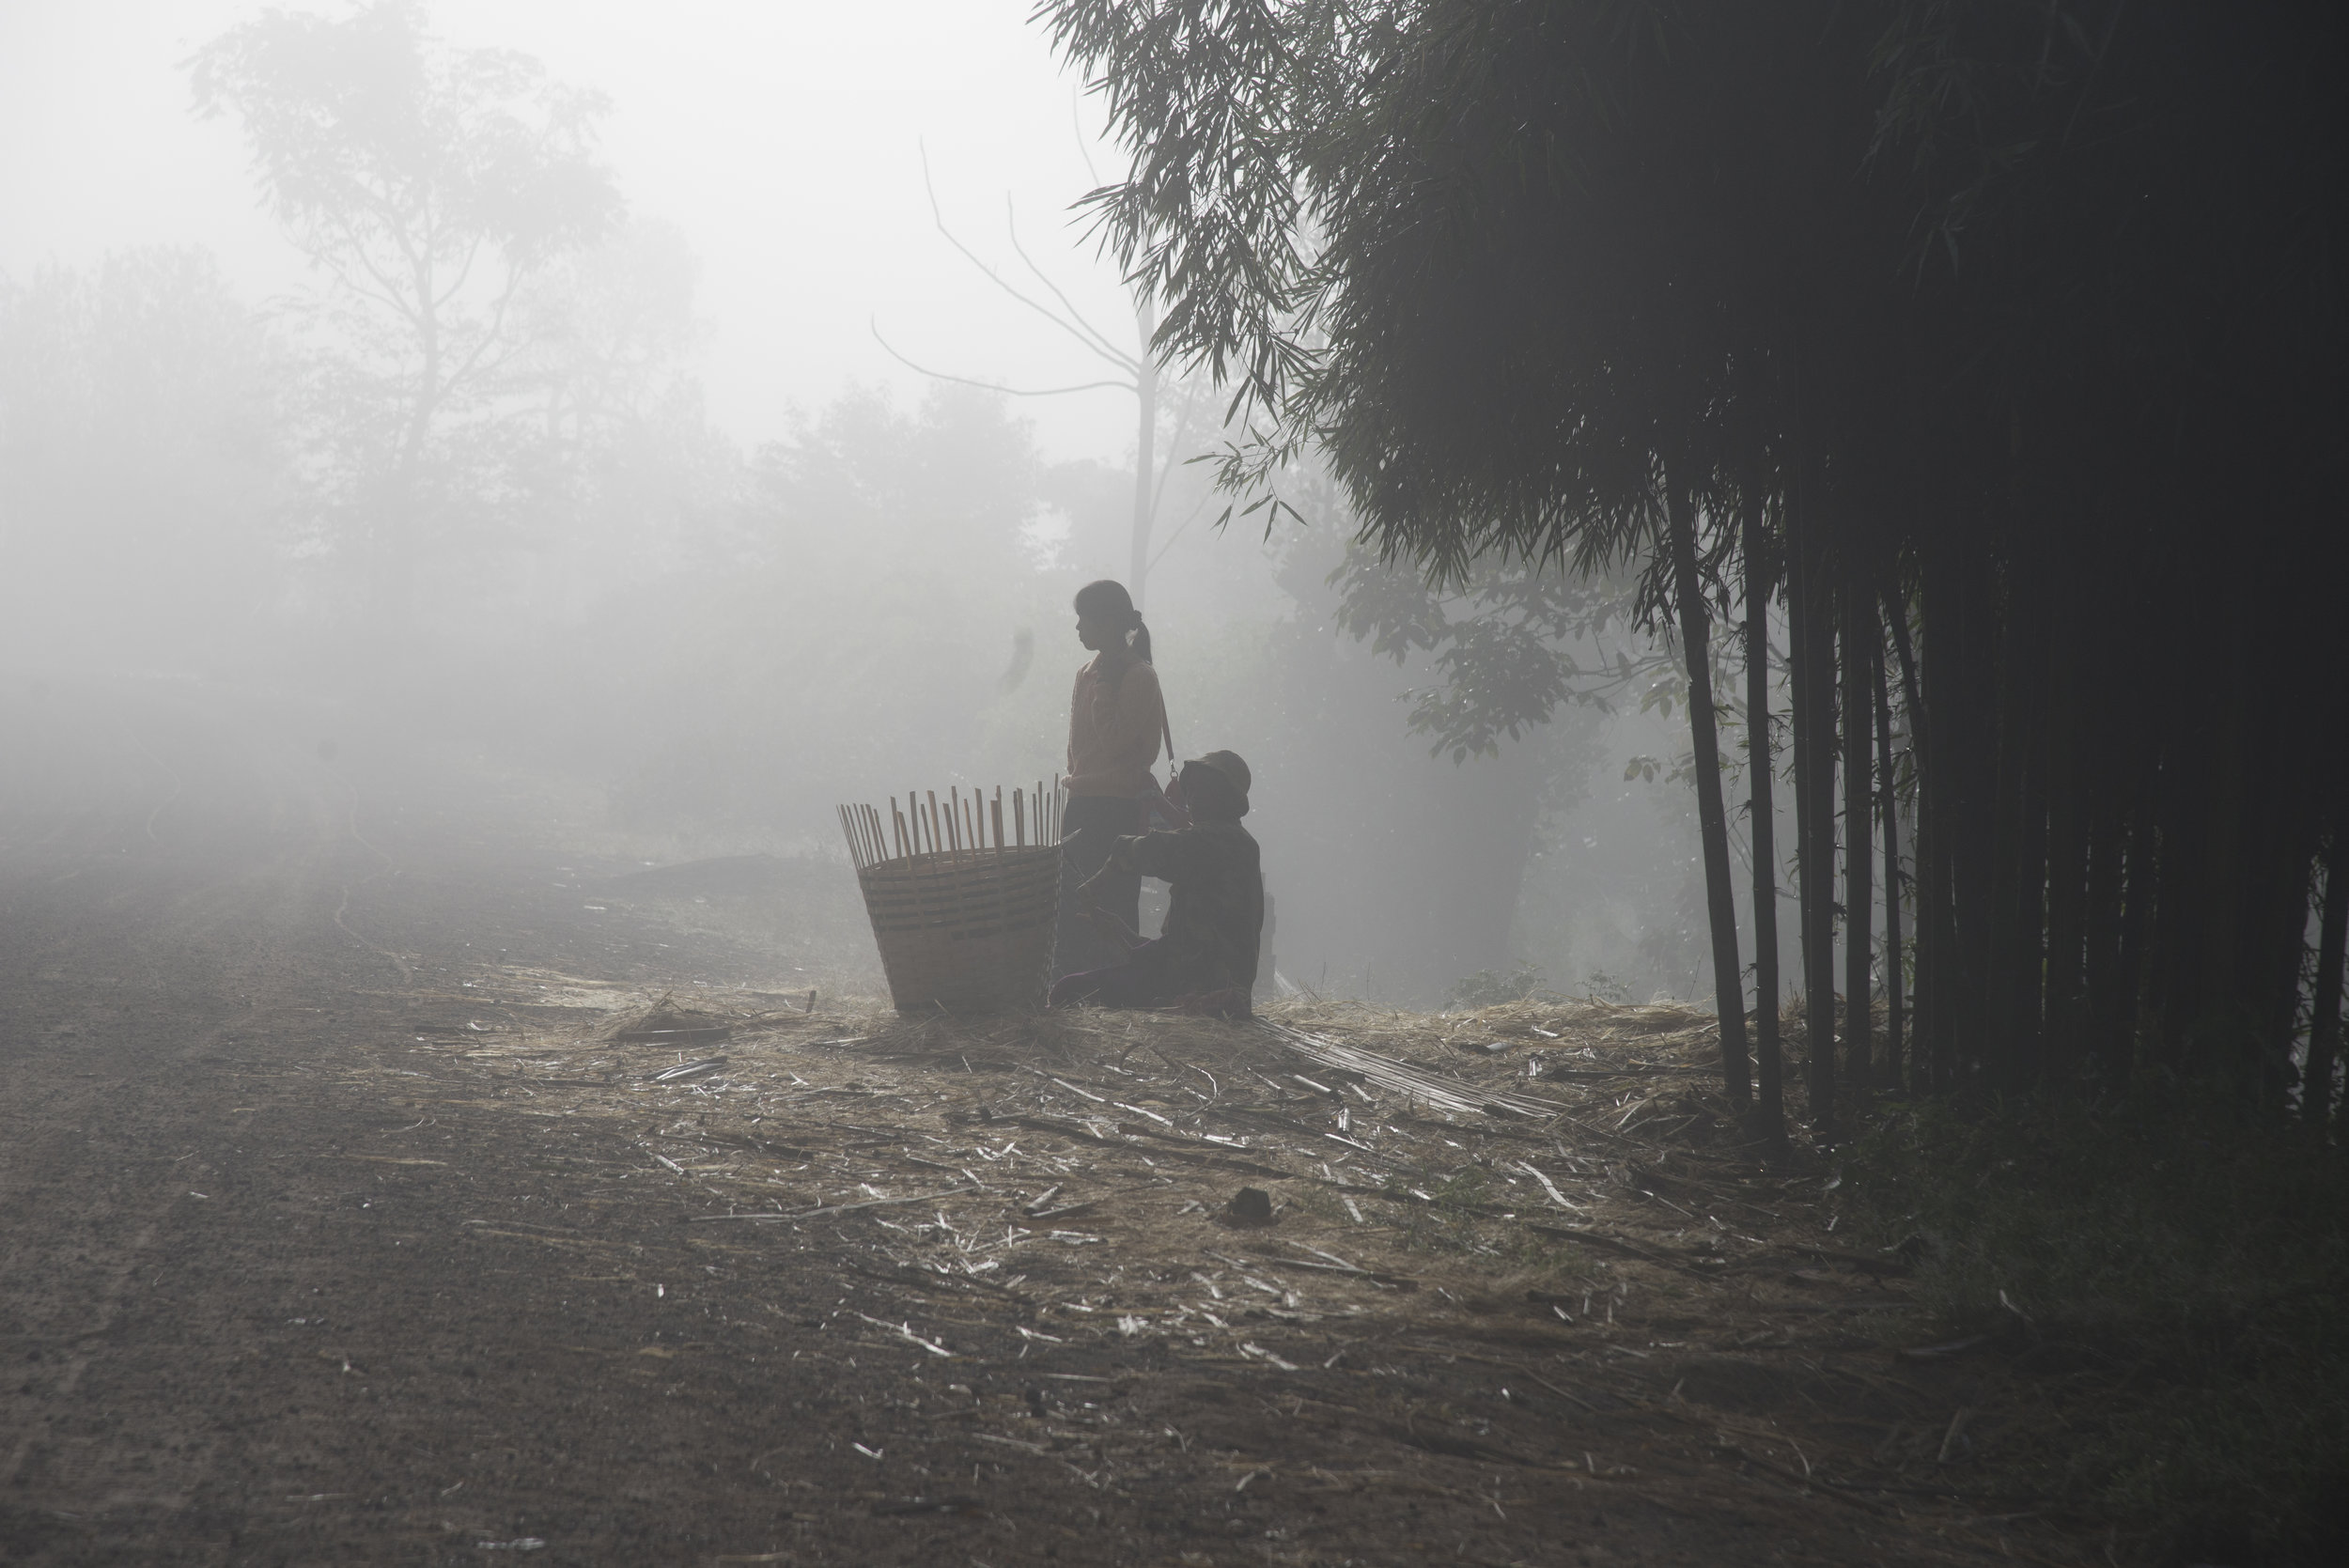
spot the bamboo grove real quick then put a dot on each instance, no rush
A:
(1994, 349)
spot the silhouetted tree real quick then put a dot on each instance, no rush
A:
(430, 184)
(2012, 312)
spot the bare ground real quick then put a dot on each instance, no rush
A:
(338, 1226)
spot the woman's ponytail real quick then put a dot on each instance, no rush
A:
(1108, 600)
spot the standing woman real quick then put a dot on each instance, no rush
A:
(1116, 718)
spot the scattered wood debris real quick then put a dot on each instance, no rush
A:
(1608, 1247)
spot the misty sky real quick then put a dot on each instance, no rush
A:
(781, 136)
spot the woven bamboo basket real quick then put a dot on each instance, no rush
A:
(963, 895)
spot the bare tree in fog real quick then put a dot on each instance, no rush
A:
(1136, 371)
(430, 184)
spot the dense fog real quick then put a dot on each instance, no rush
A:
(434, 468)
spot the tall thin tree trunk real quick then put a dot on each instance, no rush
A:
(1859, 632)
(2067, 872)
(2285, 944)
(1811, 693)
(1928, 1059)
(1721, 896)
(1958, 677)
(1888, 798)
(2137, 1014)
(2182, 788)
(1145, 457)
(2316, 1079)
(2101, 1003)
(1763, 829)
(1999, 1045)
(2027, 961)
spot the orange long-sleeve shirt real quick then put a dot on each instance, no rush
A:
(1113, 729)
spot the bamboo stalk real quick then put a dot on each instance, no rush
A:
(2316, 1083)
(1767, 1057)
(1712, 810)
(1896, 1031)
(1019, 819)
(1860, 635)
(998, 809)
(933, 805)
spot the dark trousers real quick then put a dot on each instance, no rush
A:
(1087, 824)
(1149, 979)
(1144, 980)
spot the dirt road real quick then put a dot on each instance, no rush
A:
(286, 1278)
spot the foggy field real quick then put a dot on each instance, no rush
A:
(1712, 634)
(340, 1230)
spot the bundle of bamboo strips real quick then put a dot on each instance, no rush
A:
(962, 911)
(1403, 1077)
(963, 828)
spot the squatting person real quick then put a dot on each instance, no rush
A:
(1205, 959)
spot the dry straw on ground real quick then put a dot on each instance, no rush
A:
(1552, 1187)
